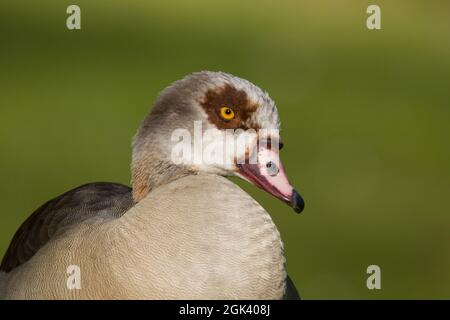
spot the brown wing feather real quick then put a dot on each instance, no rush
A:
(102, 200)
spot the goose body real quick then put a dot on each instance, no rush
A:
(179, 233)
(239, 253)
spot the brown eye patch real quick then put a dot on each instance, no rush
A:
(237, 100)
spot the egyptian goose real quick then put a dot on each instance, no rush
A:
(183, 231)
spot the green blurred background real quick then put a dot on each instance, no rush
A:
(365, 119)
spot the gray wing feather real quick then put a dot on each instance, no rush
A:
(101, 200)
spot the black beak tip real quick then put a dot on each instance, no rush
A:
(297, 202)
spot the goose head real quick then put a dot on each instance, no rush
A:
(215, 123)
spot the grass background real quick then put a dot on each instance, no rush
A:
(365, 119)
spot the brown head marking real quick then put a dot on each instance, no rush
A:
(237, 100)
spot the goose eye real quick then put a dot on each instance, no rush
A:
(226, 113)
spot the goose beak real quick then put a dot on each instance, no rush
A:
(297, 202)
(268, 174)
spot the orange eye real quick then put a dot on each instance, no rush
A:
(226, 113)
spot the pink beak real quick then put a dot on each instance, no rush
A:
(269, 174)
